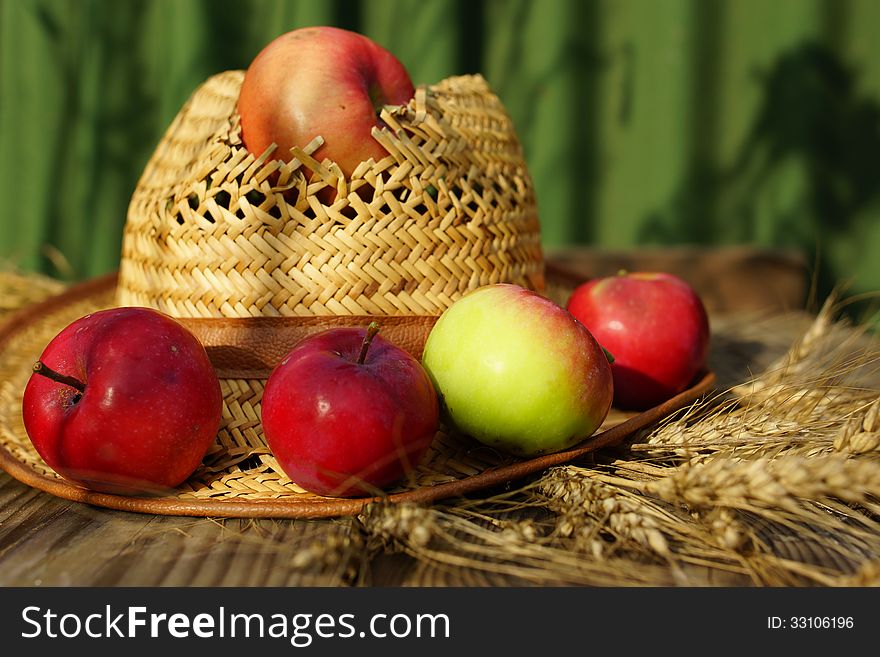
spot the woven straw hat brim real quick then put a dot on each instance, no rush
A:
(239, 477)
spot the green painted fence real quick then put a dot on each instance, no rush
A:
(645, 122)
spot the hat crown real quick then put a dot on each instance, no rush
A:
(213, 231)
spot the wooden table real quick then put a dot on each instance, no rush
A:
(47, 541)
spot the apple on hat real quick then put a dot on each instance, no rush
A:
(321, 81)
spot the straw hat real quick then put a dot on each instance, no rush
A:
(252, 254)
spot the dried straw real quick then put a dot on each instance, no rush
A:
(19, 289)
(773, 482)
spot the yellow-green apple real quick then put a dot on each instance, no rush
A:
(656, 326)
(321, 81)
(348, 413)
(123, 400)
(518, 372)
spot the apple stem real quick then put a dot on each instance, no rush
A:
(44, 370)
(372, 330)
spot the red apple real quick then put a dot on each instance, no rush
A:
(321, 81)
(655, 326)
(124, 401)
(347, 413)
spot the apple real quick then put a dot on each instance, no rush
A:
(321, 81)
(655, 325)
(123, 401)
(347, 413)
(518, 372)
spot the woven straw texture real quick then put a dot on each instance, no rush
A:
(213, 231)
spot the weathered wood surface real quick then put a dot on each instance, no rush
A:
(46, 541)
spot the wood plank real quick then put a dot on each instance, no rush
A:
(46, 541)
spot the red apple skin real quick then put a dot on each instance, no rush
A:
(654, 325)
(321, 81)
(150, 410)
(341, 429)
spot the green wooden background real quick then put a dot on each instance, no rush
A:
(645, 122)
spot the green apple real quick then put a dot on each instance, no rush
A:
(518, 372)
